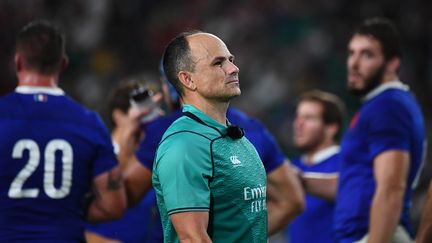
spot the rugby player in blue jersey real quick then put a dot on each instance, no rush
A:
(53, 151)
(383, 148)
(136, 224)
(317, 128)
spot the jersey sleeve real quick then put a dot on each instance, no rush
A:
(105, 158)
(184, 168)
(272, 155)
(147, 148)
(389, 128)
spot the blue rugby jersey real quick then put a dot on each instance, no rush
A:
(390, 119)
(51, 148)
(141, 223)
(315, 224)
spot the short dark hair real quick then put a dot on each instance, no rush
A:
(119, 97)
(42, 46)
(333, 107)
(177, 57)
(385, 32)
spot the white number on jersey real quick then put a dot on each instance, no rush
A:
(16, 188)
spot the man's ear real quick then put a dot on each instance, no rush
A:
(393, 64)
(331, 130)
(186, 80)
(18, 62)
(64, 63)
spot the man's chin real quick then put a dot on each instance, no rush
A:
(368, 83)
(230, 96)
(236, 93)
(357, 91)
(302, 148)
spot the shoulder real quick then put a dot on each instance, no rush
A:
(185, 128)
(238, 117)
(186, 136)
(393, 114)
(391, 99)
(161, 124)
(183, 147)
(80, 108)
(7, 97)
(183, 140)
(236, 113)
(391, 104)
(80, 113)
(7, 102)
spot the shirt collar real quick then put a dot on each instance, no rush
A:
(395, 84)
(204, 117)
(324, 154)
(34, 90)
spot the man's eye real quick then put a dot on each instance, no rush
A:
(367, 55)
(218, 63)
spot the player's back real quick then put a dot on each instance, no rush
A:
(50, 149)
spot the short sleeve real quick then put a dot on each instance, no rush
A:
(270, 152)
(273, 156)
(184, 168)
(147, 148)
(389, 128)
(105, 158)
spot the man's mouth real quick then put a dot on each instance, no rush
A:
(232, 81)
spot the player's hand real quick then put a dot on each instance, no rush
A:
(131, 132)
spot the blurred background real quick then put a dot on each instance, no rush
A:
(282, 47)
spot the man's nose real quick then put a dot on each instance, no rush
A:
(353, 62)
(233, 69)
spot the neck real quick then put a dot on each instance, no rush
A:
(389, 77)
(308, 156)
(216, 110)
(27, 78)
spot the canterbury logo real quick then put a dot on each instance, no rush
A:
(235, 161)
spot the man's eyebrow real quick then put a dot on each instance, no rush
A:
(222, 58)
(219, 58)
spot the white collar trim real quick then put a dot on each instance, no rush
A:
(34, 90)
(395, 84)
(325, 154)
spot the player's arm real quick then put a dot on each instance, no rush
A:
(109, 197)
(390, 172)
(91, 237)
(191, 226)
(424, 234)
(137, 179)
(182, 173)
(285, 197)
(323, 185)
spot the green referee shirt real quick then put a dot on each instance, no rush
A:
(199, 168)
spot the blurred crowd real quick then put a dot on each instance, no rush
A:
(282, 47)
